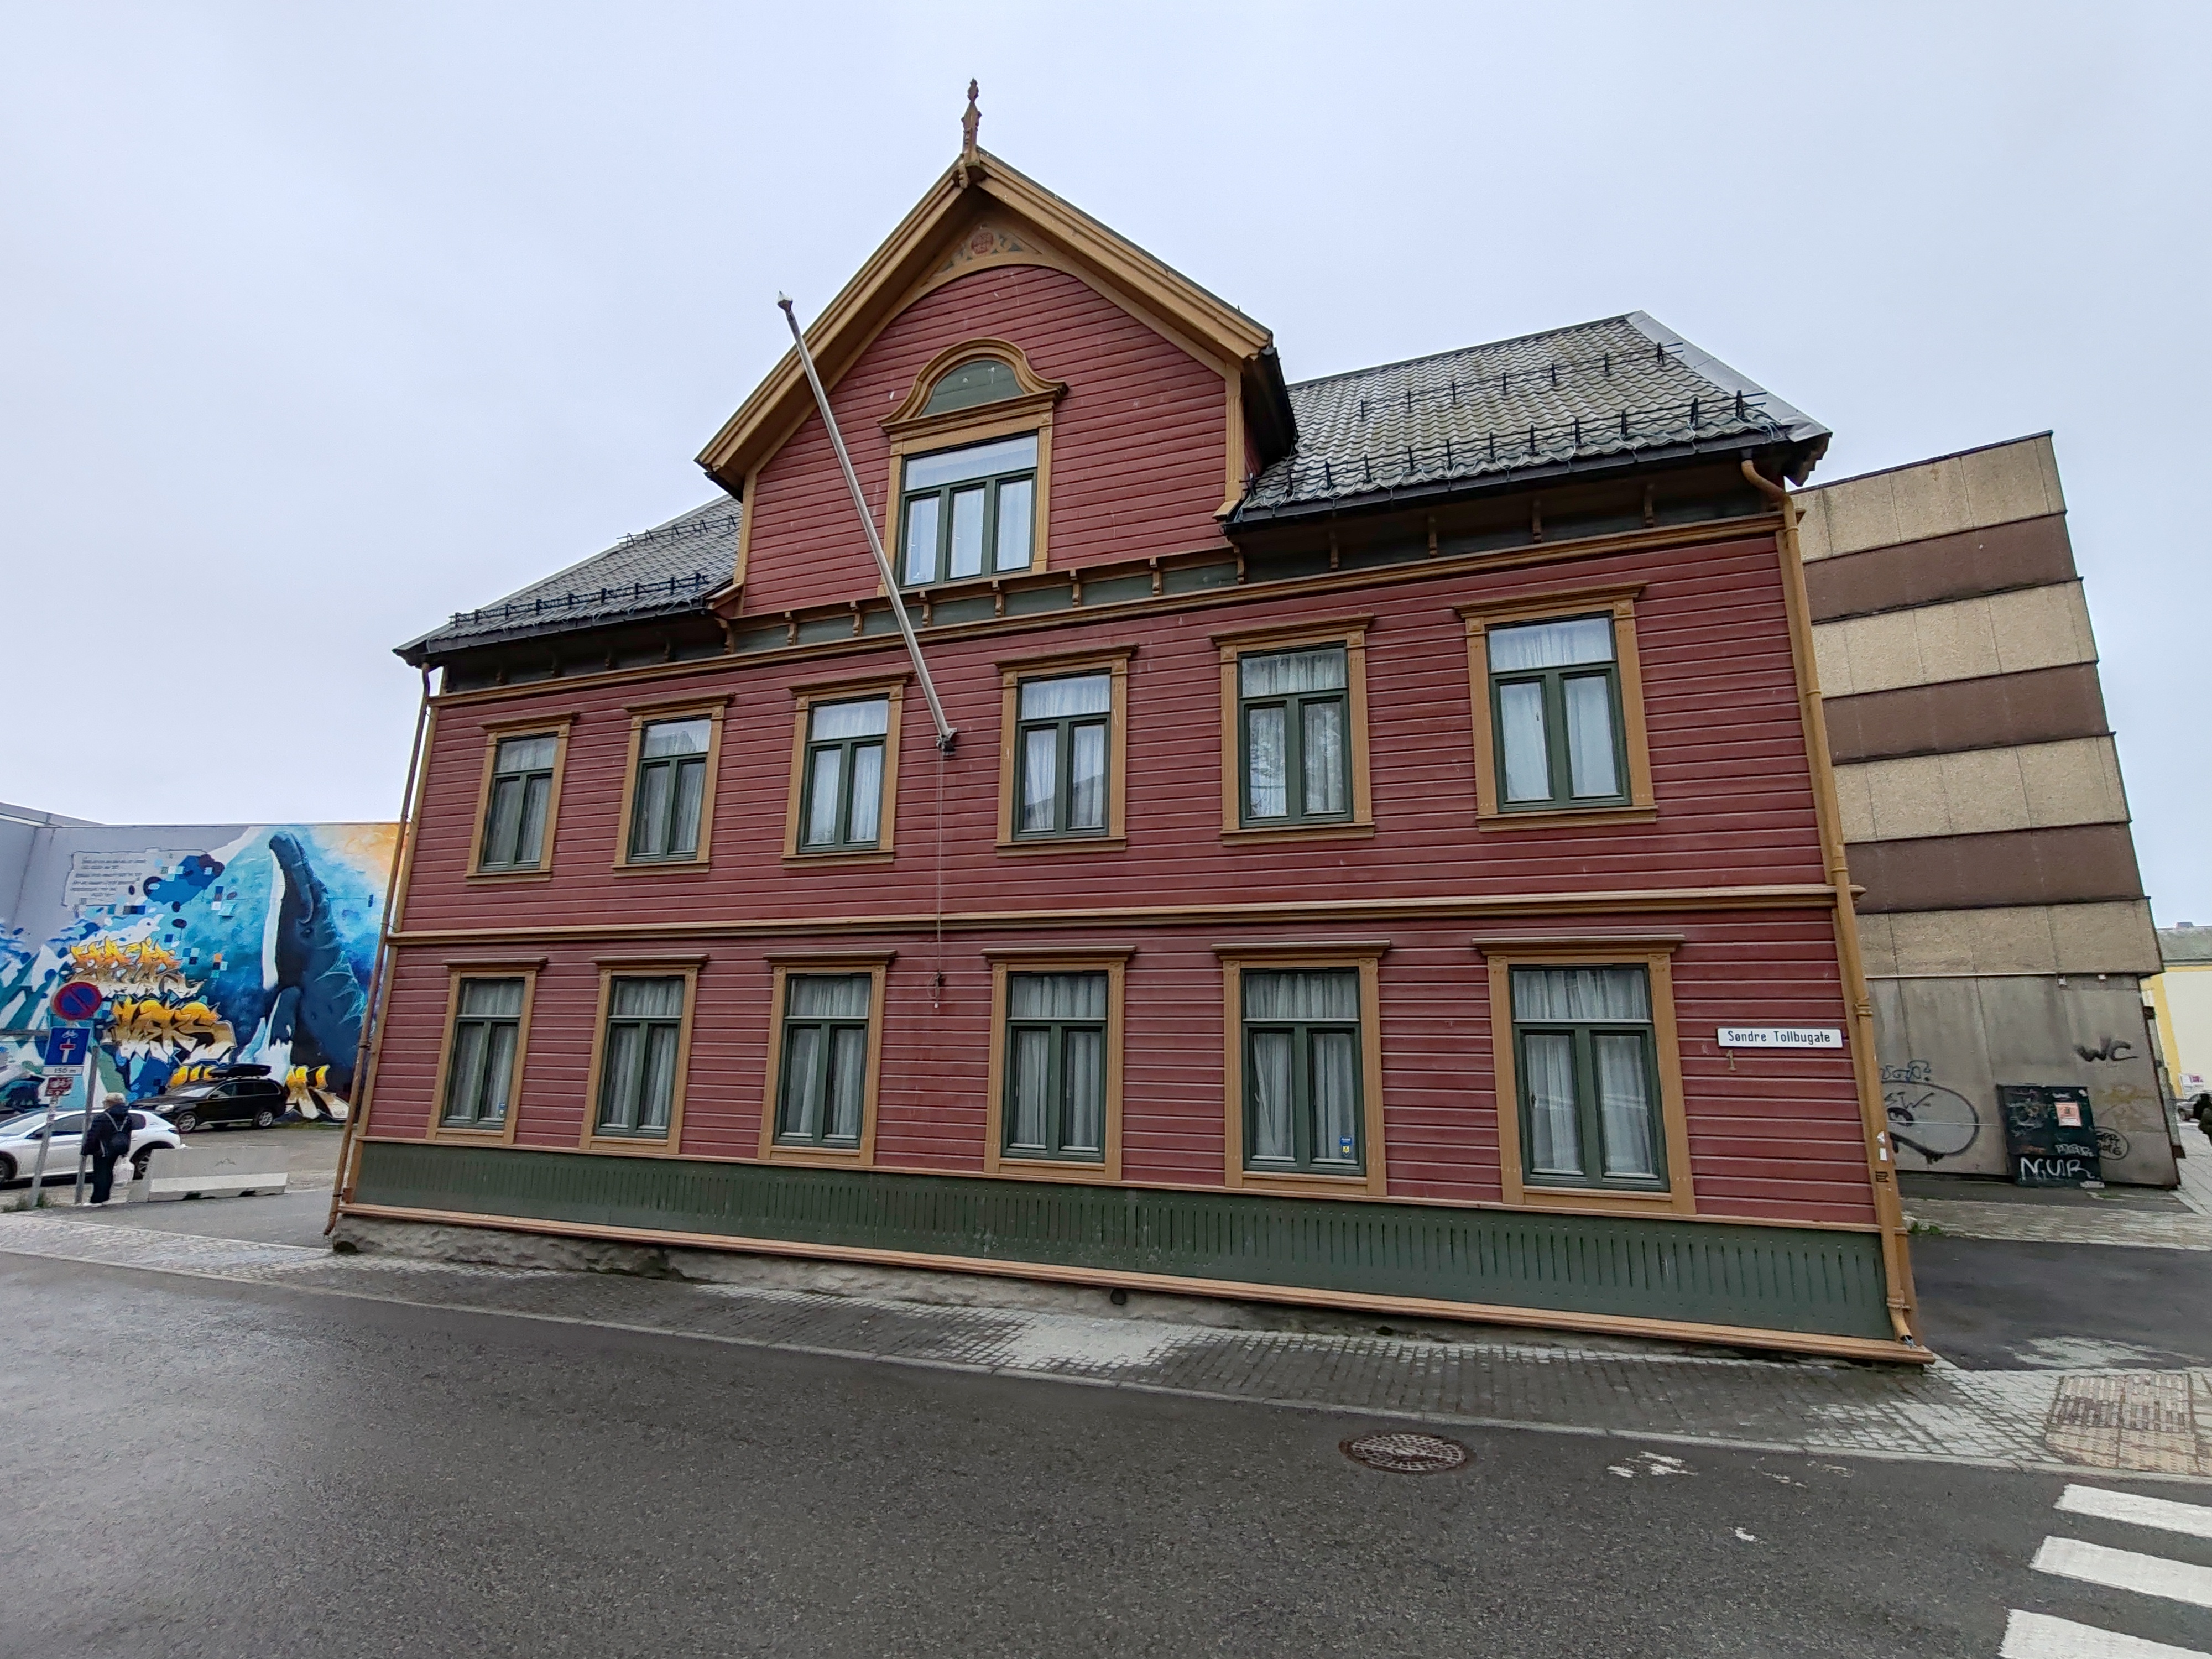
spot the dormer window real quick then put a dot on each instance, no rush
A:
(978, 380)
(969, 511)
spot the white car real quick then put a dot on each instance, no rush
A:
(20, 1136)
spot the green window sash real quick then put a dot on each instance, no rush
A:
(637, 1076)
(823, 1093)
(1303, 1065)
(1055, 1068)
(1061, 755)
(1555, 706)
(969, 512)
(670, 790)
(842, 803)
(480, 1072)
(1294, 720)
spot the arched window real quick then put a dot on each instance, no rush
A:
(978, 380)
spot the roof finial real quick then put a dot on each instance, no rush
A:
(969, 122)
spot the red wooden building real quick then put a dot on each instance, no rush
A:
(1372, 798)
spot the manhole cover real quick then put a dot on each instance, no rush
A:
(1405, 1454)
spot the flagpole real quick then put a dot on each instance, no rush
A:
(945, 731)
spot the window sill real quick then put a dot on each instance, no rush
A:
(1065, 844)
(1598, 1200)
(661, 866)
(1288, 1183)
(847, 860)
(1053, 1169)
(834, 1157)
(1566, 818)
(495, 877)
(1300, 832)
(497, 1137)
(629, 1145)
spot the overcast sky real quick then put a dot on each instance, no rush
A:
(320, 322)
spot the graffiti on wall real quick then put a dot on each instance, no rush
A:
(1924, 1116)
(258, 952)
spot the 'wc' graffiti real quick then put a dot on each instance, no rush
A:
(258, 951)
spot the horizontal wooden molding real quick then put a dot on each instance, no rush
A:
(1798, 896)
(1291, 632)
(495, 965)
(1257, 948)
(1055, 952)
(658, 959)
(1550, 602)
(1488, 942)
(831, 958)
(704, 702)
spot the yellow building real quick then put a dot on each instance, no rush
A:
(2183, 997)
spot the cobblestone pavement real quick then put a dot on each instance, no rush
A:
(2187, 1228)
(2152, 1422)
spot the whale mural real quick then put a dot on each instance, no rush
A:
(212, 946)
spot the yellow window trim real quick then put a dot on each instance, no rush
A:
(456, 972)
(640, 716)
(556, 726)
(611, 969)
(806, 697)
(1655, 955)
(876, 965)
(1618, 602)
(1366, 955)
(1113, 660)
(1351, 632)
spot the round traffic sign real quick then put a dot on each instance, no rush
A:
(78, 999)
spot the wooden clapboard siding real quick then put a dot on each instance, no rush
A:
(1136, 443)
(1727, 761)
(1771, 1136)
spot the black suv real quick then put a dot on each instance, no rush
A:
(241, 1097)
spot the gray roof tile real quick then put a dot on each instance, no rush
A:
(1621, 386)
(670, 568)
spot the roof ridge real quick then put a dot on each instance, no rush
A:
(1454, 351)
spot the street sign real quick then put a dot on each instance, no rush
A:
(65, 1044)
(1781, 1037)
(57, 1085)
(78, 999)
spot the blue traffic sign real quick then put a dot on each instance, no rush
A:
(65, 1044)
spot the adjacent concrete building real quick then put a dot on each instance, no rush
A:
(2007, 934)
(2183, 998)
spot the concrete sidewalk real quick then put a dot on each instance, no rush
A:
(2152, 1422)
(2181, 1220)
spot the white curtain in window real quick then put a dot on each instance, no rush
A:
(1040, 776)
(1057, 996)
(618, 1107)
(1554, 1128)
(802, 1061)
(1266, 784)
(848, 1078)
(1313, 994)
(1624, 1099)
(1271, 1095)
(1322, 758)
(525, 754)
(1086, 782)
(1550, 645)
(822, 796)
(1581, 993)
(1083, 1091)
(1074, 694)
(1520, 730)
(690, 793)
(835, 721)
(498, 1075)
(1589, 735)
(1277, 673)
(967, 558)
(867, 793)
(922, 539)
(648, 998)
(1335, 1094)
(1032, 1087)
(828, 996)
(466, 1069)
(675, 737)
(658, 1084)
(491, 999)
(653, 792)
(1015, 524)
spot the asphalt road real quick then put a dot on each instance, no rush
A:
(1993, 1304)
(227, 1469)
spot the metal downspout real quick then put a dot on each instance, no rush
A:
(1881, 1167)
(372, 1017)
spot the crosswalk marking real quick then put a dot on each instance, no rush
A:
(2152, 1575)
(2038, 1636)
(2194, 1519)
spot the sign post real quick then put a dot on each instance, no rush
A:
(66, 1046)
